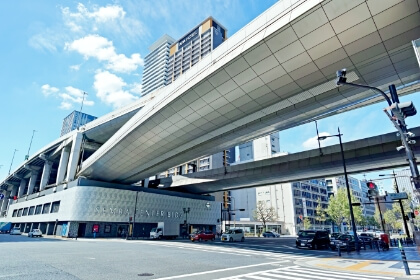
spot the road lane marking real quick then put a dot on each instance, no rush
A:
(218, 270)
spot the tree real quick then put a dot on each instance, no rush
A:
(321, 213)
(339, 210)
(264, 214)
(307, 223)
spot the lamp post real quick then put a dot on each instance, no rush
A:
(12, 161)
(399, 200)
(353, 224)
(30, 144)
(186, 211)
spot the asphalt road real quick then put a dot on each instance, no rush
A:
(256, 258)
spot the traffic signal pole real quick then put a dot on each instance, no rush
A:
(398, 123)
(407, 232)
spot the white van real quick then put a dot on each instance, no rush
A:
(233, 235)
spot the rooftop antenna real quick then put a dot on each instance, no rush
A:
(30, 144)
(81, 108)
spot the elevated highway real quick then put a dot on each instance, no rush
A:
(364, 155)
(275, 73)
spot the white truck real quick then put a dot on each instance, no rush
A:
(165, 230)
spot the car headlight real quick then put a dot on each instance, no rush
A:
(310, 240)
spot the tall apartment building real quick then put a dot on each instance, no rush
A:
(195, 45)
(168, 59)
(75, 119)
(155, 73)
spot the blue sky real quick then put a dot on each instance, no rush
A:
(52, 51)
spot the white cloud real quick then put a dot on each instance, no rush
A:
(312, 143)
(69, 97)
(110, 89)
(47, 90)
(109, 18)
(43, 42)
(65, 105)
(103, 50)
(136, 88)
(75, 67)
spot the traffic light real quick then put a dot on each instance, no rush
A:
(225, 157)
(403, 110)
(372, 189)
(225, 200)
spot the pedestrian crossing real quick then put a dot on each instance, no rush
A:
(303, 273)
(245, 252)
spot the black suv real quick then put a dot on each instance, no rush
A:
(313, 239)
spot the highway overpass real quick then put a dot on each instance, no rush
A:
(364, 155)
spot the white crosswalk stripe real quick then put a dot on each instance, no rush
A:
(303, 273)
(228, 250)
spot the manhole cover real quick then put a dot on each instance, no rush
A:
(145, 274)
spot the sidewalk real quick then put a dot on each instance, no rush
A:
(385, 263)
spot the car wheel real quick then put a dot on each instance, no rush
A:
(231, 239)
(200, 239)
(192, 240)
(242, 239)
(212, 239)
(315, 247)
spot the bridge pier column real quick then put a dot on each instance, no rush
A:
(22, 187)
(74, 156)
(62, 166)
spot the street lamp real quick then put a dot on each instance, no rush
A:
(399, 200)
(356, 239)
(12, 160)
(186, 211)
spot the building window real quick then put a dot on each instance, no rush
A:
(25, 211)
(20, 212)
(38, 209)
(46, 208)
(31, 210)
(14, 213)
(55, 207)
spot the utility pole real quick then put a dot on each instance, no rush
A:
(30, 144)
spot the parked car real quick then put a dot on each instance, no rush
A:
(270, 234)
(312, 239)
(35, 233)
(334, 235)
(202, 235)
(15, 231)
(233, 235)
(343, 241)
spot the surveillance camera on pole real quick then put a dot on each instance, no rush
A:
(341, 77)
(399, 148)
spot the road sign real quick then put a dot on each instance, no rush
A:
(1, 196)
(396, 196)
(416, 212)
